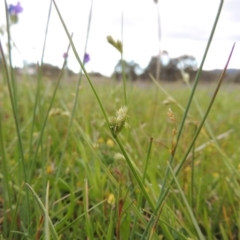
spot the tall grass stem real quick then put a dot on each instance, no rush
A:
(163, 192)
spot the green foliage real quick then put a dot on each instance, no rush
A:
(70, 171)
(90, 156)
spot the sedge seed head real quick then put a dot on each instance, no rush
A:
(171, 115)
(118, 157)
(117, 44)
(119, 121)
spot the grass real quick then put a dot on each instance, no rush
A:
(70, 171)
(90, 158)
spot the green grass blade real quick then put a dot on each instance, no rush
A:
(12, 79)
(88, 222)
(45, 213)
(206, 113)
(141, 195)
(17, 125)
(46, 226)
(135, 174)
(163, 193)
(73, 112)
(189, 210)
(109, 174)
(103, 110)
(39, 78)
(81, 64)
(47, 114)
(110, 227)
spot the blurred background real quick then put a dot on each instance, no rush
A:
(184, 30)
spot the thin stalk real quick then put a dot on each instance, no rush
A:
(103, 110)
(158, 66)
(147, 159)
(135, 174)
(164, 193)
(192, 173)
(46, 32)
(13, 83)
(123, 66)
(17, 125)
(46, 226)
(15, 211)
(45, 213)
(108, 173)
(206, 114)
(143, 180)
(110, 226)
(75, 221)
(81, 64)
(47, 113)
(38, 82)
(195, 84)
(88, 222)
(6, 183)
(34, 117)
(76, 99)
(189, 210)
(226, 158)
(86, 43)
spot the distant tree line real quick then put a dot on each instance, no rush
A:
(172, 69)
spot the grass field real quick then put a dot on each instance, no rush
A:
(96, 159)
(80, 175)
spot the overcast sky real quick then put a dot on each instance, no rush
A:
(185, 28)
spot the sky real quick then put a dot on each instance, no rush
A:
(185, 29)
